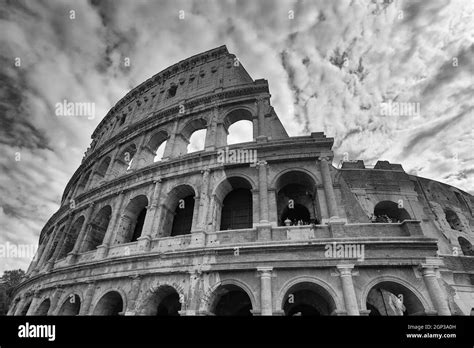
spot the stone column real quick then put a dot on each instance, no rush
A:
(265, 290)
(133, 296)
(263, 191)
(203, 201)
(34, 303)
(138, 155)
(116, 213)
(350, 299)
(328, 187)
(195, 220)
(262, 106)
(72, 256)
(436, 294)
(60, 244)
(211, 131)
(54, 301)
(109, 173)
(169, 148)
(221, 134)
(89, 294)
(148, 226)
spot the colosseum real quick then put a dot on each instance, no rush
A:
(264, 227)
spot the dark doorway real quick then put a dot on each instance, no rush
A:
(296, 213)
(111, 304)
(237, 210)
(169, 306)
(183, 218)
(137, 232)
(233, 301)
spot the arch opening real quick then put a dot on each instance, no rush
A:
(453, 220)
(71, 237)
(70, 306)
(295, 214)
(132, 220)
(297, 202)
(240, 132)
(197, 141)
(101, 171)
(111, 304)
(308, 299)
(393, 299)
(165, 301)
(81, 187)
(178, 211)
(25, 308)
(389, 212)
(231, 300)
(43, 307)
(466, 246)
(156, 146)
(97, 229)
(126, 158)
(183, 216)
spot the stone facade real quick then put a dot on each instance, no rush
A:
(219, 232)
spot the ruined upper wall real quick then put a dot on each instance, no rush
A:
(210, 71)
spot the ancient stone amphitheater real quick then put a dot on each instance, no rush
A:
(266, 227)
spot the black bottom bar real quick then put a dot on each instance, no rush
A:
(218, 331)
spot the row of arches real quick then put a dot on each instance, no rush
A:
(237, 128)
(305, 298)
(232, 207)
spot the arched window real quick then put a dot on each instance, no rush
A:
(126, 157)
(231, 300)
(308, 299)
(100, 172)
(197, 141)
(164, 301)
(453, 220)
(111, 304)
(240, 132)
(83, 183)
(71, 305)
(25, 308)
(389, 212)
(296, 199)
(466, 246)
(104, 165)
(191, 137)
(156, 147)
(183, 218)
(43, 307)
(239, 126)
(160, 151)
(71, 237)
(132, 220)
(392, 299)
(237, 210)
(55, 244)
(97, 229)
(178, 211)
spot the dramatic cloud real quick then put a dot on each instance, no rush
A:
(330, 65)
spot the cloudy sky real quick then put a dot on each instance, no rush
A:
(330, 66)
